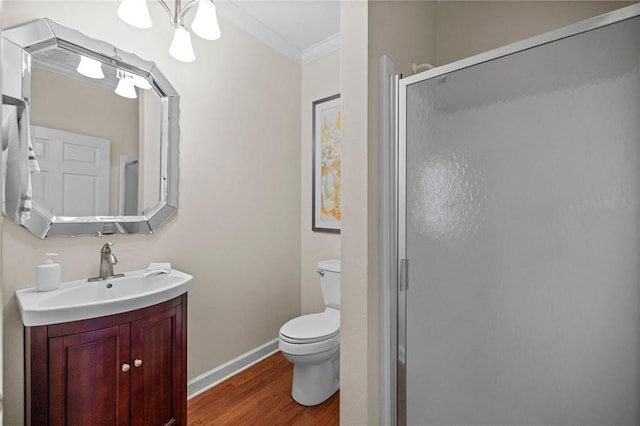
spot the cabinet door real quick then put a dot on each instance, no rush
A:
(156, 352)
(88, 384)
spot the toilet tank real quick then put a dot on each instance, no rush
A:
(329, 271)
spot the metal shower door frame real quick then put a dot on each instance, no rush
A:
(400, 143)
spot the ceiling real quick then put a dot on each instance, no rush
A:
(301, 29)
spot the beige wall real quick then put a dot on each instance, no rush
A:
(355, 351)
(403, 30)
(467, 28)
(238, 227)
(320, 78)
(68, 104)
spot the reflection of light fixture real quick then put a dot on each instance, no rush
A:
(205, 23)
(90, 68)
(141, 82)
(125, 87)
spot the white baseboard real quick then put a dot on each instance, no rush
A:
(207, 380)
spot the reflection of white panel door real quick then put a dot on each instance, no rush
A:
(74, 172)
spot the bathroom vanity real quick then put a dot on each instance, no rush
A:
(128, 368)
(107, 352)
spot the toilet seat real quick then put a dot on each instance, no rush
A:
(309, 348)
(312, 328)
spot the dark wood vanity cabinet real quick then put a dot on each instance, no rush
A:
(124, 369)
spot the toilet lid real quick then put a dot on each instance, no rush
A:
(312, 328)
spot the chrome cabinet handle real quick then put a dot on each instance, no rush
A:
(321, 273)
(137, 362)
(125, 367)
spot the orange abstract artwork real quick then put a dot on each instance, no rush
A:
(330, 164)
(327, 129)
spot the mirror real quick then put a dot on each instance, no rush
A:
(99, 129)
(92, 122)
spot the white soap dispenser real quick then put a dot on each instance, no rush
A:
(48, 274)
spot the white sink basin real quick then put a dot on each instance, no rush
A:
(78, 300)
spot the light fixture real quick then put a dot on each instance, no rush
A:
(125, 87)
(135, 13)
(205, 23)
(181, 48)
(90, 68)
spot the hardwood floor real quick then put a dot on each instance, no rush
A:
(260, 395)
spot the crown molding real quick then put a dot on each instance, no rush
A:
(320, 49)
(233, 13)
(241, 19)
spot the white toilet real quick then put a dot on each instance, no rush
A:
(312, 343)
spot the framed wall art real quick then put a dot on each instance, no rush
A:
(327, 126)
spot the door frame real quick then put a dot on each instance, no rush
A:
(388, 234)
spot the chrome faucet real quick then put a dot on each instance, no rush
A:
(107, 260)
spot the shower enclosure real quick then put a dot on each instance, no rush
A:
(518, 217)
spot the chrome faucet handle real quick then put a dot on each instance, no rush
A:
(107, 260)
(109, 256)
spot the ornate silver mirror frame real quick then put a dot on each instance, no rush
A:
(27, 39)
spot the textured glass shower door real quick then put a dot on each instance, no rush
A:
(523, 236)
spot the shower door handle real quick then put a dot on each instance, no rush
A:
(404, 274)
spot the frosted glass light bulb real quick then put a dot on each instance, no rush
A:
(90, 68)
(205, 24)
(135, 13)
(181, 48)
(141, 82)
(126, 89)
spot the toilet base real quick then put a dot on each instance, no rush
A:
(315, 377)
